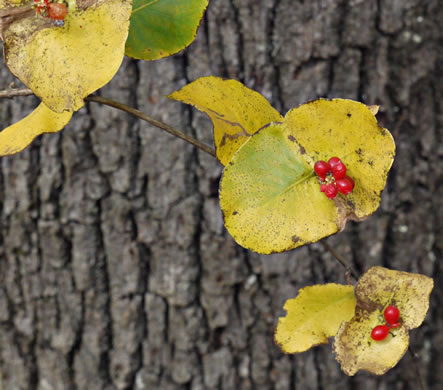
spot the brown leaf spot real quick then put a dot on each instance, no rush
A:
(348, 114)
(295, 239)
(235, 213)
(291, 138)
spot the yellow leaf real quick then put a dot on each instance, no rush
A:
(314, 316)
(356, 350)
(63, 65)
(378, 288)
(409, 292)
(18, 136)
(269, 194)
(236, 111)
(348, 130)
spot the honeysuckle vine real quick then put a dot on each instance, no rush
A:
(22, 92)
(337, 300)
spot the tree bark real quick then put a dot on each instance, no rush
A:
(116, 271)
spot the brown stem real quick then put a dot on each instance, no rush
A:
(342, 262)
(9, 15)
(141, 115)
(10, 93)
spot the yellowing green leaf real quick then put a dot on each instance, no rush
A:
(62, 65)
(314, 316)
(378, 288)
(236, 111)
(269, 195)
(18, 136)
(356, 350)
(160, 28)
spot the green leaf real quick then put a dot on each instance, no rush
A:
(160, 28)
(314, 316)
(236, 111)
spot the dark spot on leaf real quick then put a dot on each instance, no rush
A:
(371, 163)
(291, 138)
(235, 213)
(359, 151)
(295, 239)
(302, 150)
(348, 114)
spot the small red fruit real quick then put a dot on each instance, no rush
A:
(331, 191)
(333, 162)
(380, 332)
(57, 11)
(321, 168)
(339, 171)
(323, 187)
(392, 314)
(345, 185)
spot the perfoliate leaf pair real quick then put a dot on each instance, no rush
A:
(269, 194)
(331, 310)
(377, 289)
(64, 62)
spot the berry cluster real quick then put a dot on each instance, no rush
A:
(392, 315)
(333, 179)
(55, 11)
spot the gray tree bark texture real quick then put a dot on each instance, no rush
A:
(116, 271)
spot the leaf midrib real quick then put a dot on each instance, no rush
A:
(142, 7)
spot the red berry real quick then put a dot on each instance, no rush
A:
(345, 185)
(331, 191)
(321, 168)
(57, 11)
(380, 332)
(323, 187)
(339, 171)
(350, 180)
(333, 162)
(392, 314)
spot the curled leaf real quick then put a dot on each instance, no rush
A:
(378, 288)
(314, 316)
(236, 111)
(42, 120)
